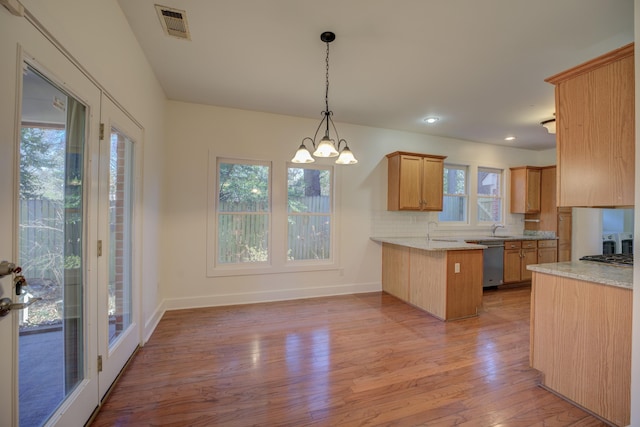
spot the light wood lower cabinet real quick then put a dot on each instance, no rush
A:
(447, 284)
(581, 342)
(517, 256)
(547, 251)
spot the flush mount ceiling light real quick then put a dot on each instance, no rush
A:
(510, 138)
(431, 120)
(326, 147)
(550, 125)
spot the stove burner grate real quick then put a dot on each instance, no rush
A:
(616, 259)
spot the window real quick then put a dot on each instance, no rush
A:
(309, 213)
(455, 197)
(489, 195)
(243, 212)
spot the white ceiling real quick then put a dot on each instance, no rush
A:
(478, 65)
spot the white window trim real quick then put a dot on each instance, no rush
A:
(308, 263)
(277, 226)
(501, 197)
(466, 195)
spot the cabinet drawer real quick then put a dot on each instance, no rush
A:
(547, 243)
(528, 244)
(517, 244)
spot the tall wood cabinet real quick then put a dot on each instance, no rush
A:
(414, 181)
(564, 234)
(550, 217)
(595, 125)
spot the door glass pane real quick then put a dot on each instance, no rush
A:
(120, 238)
(51, 230)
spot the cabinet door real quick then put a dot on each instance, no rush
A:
(533, 191)
(564, 234)
(525, 190)
(547, 255)
(410, 182)
(548, 211)
(595, 131)
(529, 257)
(512, 260)
(432, 170)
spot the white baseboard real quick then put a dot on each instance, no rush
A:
(151, 323)
(267, 296)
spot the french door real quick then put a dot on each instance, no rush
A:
(68, 181)
(119, 239)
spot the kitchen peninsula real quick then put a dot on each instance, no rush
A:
(581, 334)
(440, 276)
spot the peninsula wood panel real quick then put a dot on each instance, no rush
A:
(395, 270)
(464, 287)
(596, 131)
(428, 281)
(581, 342)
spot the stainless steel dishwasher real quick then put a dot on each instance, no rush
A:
(492, 263)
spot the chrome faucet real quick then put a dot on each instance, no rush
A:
(429, 229)
(494, 227)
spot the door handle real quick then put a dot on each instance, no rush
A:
(7, 268)
(6, 305)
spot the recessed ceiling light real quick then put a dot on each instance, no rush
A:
(431, 120)
(510, 138)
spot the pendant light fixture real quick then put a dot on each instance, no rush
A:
(326, 147)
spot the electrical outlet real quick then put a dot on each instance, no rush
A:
(456, 267)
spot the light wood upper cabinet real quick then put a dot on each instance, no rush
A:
(525, 189)
(595, 124)
(415, 182)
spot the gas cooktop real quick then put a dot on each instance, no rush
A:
(615, 259)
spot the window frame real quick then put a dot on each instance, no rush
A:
(332, 215)
(465, 195)
(277, 244)
(500, 197)
(215, 267)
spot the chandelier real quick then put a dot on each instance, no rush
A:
(326, 147)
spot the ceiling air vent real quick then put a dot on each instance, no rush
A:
(174, 22)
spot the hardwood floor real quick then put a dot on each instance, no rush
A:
(365, 359)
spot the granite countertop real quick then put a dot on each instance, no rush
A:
(452, 243)
(589, 271)
(434, 244)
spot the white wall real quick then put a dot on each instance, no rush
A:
(98, 36)
(192, 130)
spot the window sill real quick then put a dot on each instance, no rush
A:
(290, 267)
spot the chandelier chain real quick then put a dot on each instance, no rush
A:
(326, 93)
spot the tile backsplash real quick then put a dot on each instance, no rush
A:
(414, 224)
